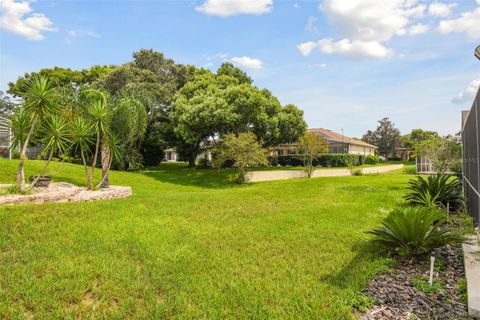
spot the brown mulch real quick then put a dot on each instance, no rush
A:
(396, 296)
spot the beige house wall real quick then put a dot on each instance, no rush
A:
(366, 151)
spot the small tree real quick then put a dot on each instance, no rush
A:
(82, 139)
(244, 150)
(309, 148)
(442, 153)
(39, 98)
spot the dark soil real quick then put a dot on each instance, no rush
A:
(396, 296)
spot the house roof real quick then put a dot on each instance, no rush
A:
(333, 136)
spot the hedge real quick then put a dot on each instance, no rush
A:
(324, 160)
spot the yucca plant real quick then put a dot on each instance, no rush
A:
(440, 190)
(82, 138)
(414, 230)
(55, 136)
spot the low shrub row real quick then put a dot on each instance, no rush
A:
(324, 160)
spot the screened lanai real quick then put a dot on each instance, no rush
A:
(5, 138)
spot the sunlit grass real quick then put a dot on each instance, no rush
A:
(189, 244)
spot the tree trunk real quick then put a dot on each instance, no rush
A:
(191, 161)
(42, 172)
(87, 173)
(94, 162)
(23, 155)
(105, 165)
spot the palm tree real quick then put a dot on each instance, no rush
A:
(20, 123)
(39, 97)
(55, 136)
(114, 147)
(81, 138)
(100, 114)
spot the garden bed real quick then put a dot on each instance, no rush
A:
(66, 192)
(404, 292)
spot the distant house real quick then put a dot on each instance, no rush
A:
(171, 155)
(336, 143)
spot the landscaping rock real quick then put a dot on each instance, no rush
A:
(397, 297)
(66, 192)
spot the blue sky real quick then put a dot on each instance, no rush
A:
(347, 64)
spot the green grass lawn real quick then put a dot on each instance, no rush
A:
(191, 245)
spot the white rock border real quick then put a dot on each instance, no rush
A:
(66, 192)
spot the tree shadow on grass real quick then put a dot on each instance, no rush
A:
(367, 262)
(181, 175)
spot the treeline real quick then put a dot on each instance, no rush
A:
(155, 103)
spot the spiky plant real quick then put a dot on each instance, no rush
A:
(39, 101)
(82, 139)
(443, 191)
(55, 137)
(414, 230)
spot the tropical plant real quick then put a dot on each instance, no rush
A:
(20, 123)
(414, 230)
(440, 190)
(81, 138)
(100, 115)
(310, 147)
(115, 151)
(55, 137)
(38, 97)
(244, 150)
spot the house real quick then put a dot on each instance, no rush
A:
(5, 138)
(337, 143)
(171, 155)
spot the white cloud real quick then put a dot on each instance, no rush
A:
(468, 94)
(297, 6)
(439, 9)
(469, 22)
(306, 48)
(355, 48)
(247, 62)
(19, 18)
(319, 65)
(311, 25)
(366, 26)
(225, 8)
(72, 35)
(418, 28)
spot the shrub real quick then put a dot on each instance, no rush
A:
(410, 170)
(324, 160)
(372, 159)
(205, 164)
(414, 230)
(435, 191)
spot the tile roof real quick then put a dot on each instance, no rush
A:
(333, 136)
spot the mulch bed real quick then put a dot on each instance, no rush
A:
(396, 297)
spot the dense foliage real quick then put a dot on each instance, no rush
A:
(210, 106)
(244, 151)
(324, 160)
(438, 190)
(414, 230)
(154, 103)
(386, 137)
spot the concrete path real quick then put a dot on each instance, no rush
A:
(257, 176)
(471, 254)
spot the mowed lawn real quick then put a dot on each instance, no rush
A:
(191, 245)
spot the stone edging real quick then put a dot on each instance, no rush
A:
(66, 192)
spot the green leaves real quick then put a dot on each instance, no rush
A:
(55, 134)
(20, 125)
(435, 191)
(39, 96)
(100, 115)
(414, 230)
(81, 134)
